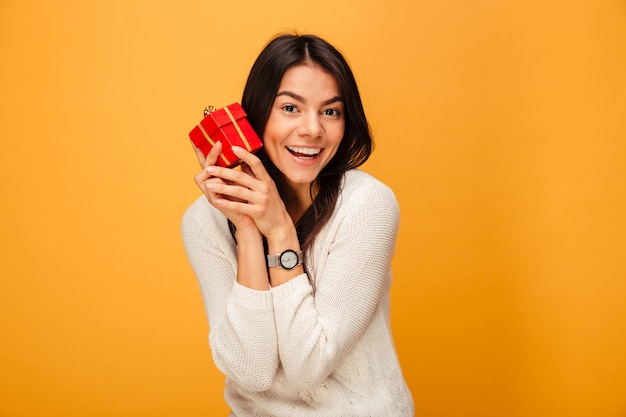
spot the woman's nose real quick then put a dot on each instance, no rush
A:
(310, 125)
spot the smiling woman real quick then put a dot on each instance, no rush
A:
(293, 252)
(305, 126)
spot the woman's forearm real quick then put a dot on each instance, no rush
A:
(251, 267)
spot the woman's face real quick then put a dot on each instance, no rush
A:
(305, 125)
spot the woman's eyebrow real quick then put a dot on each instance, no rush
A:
(333, 100)
(292, 95)
(303, 100)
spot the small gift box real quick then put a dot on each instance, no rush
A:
(228, 125)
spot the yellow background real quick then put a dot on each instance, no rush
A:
(499, 124)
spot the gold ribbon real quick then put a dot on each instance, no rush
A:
(212, 142)
(239, 132)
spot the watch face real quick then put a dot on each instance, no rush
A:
(289, 259)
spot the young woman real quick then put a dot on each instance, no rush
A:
(293, 251)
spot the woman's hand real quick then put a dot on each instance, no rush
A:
(208, 183)
(249, 193)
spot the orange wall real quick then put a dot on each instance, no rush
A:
(500, 125)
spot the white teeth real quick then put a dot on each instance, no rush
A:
(305, 151)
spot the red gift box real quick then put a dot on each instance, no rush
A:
(229, 126)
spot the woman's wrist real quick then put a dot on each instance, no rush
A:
(283, 238)
(251, 234)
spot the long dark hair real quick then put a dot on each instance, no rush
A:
(281, 53)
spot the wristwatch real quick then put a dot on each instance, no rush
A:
(289, 259)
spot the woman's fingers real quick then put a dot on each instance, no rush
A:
(246, 169)
(228, 190)
(211, 189)
(232, 176)
(213, 154)
(207, 162)
(252, 161)
(211, 157)
(199, 154)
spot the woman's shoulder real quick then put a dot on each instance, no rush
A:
(201, 217)
(199, 209)
(357, 182)
(361, 188)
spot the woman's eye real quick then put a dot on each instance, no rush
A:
(289, 108)
(331, 112)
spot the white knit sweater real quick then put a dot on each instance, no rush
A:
(296, 351)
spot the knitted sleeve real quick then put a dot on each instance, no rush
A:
(241, 321)
(316, 329)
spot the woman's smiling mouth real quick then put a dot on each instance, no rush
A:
(304, 153)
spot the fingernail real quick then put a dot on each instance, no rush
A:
(210, 169)
(237, 149)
